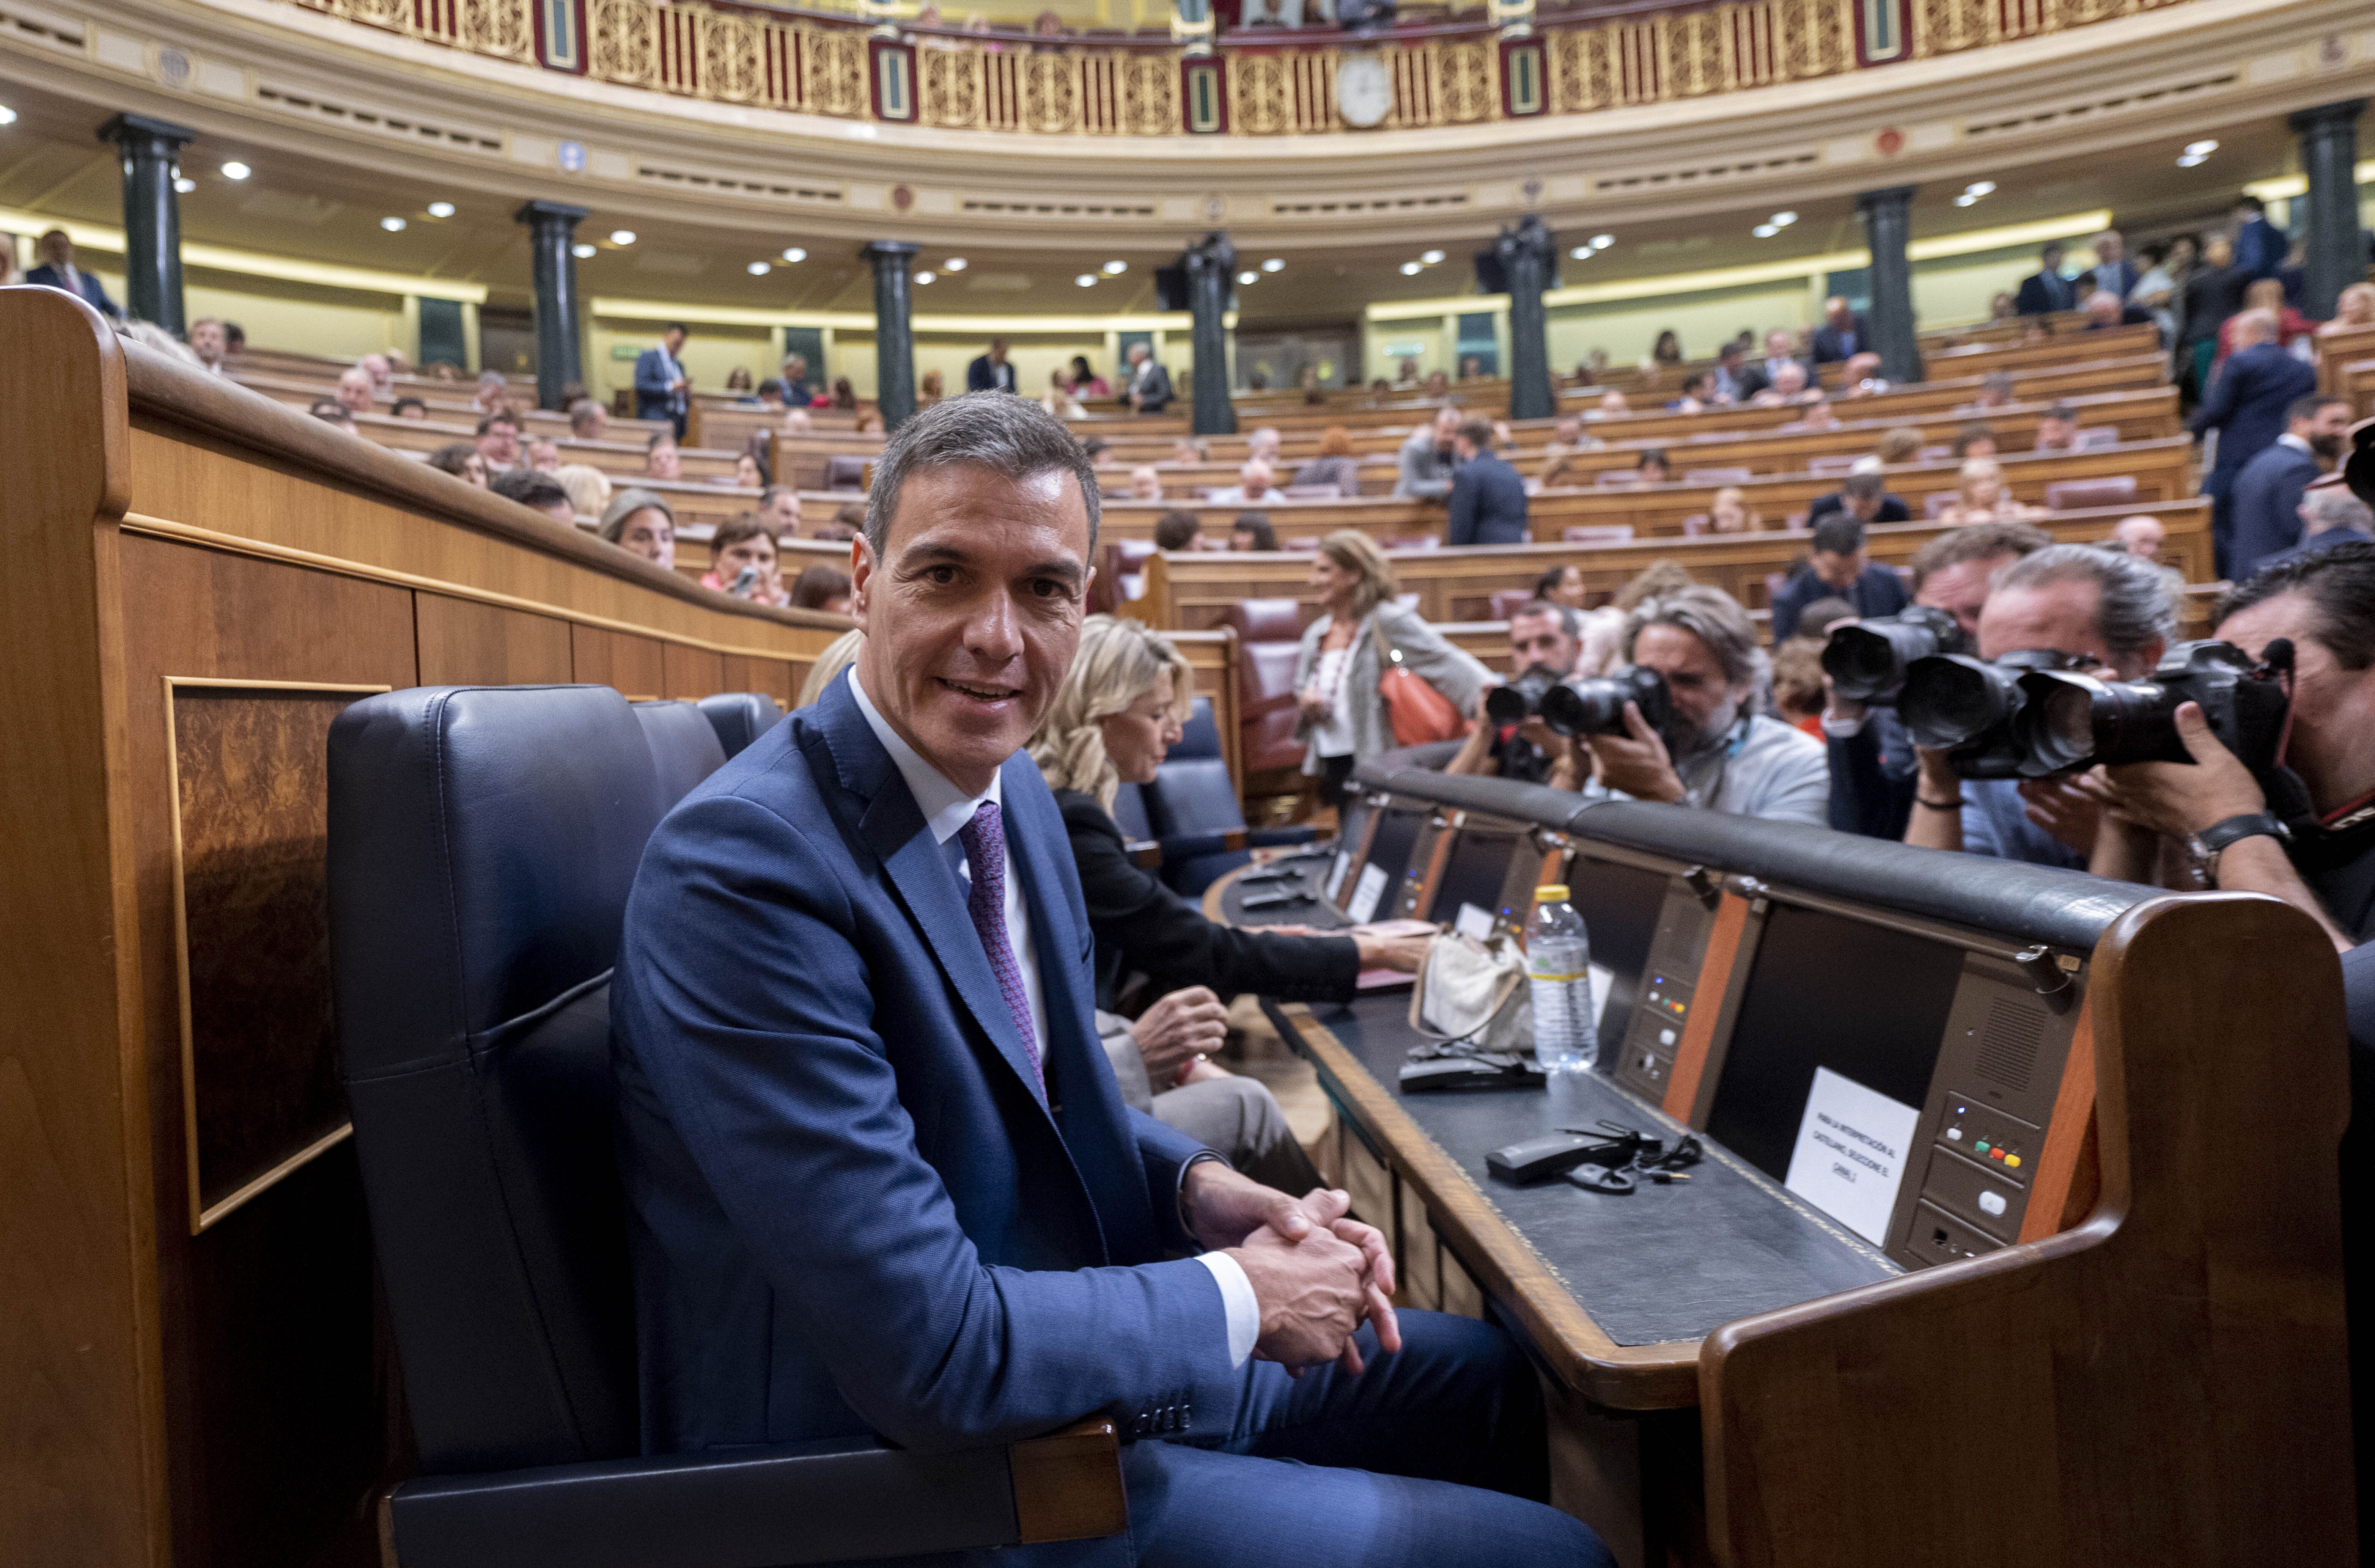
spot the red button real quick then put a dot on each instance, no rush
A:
(1995, 1154)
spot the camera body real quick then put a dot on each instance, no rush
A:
(1597, 706)
(2072, 721)
(1867, 661)
(1521, 698)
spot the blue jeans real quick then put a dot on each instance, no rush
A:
(1433, 1457)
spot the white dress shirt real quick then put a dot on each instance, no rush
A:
(946, 810)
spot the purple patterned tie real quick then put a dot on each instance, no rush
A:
(985, 846)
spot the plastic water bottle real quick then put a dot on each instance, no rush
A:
(1558, 972)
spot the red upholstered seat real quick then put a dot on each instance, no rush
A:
(2068, 495)
(1266, 705)
(1507, 601)
(1265, 620)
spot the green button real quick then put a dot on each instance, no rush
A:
(1981, 1146)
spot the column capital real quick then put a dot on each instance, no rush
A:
(1214, 250)
(549, 212)
(1529, 236)
(880, 248)
(125, 130)
(2324, 115)
(1891, 195)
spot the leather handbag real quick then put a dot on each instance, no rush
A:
(1473, 994)
(1418, 713)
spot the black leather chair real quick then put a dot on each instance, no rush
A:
(1196, 817)
(741, 717)
(482, 842)
(685, 746)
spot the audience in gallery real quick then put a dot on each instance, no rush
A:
(2260, 246)
(662, 460)
(2046, 291)
(1058, 399)
(1842, 336)
(1819, 416)
(2355, 307)
(1252, 531)
(1189, 448)
(2266, 497)
(1562, 585)
(1781, 351)
(641, 521)
(2330, 515)
(543, 455)
(1726, 379)
(2212, 296)
(1179, 530)
(1729, 513)
(211, 343)
(1335, 465)
(588, 420)
(931, 389)
(1667, 350)
(1423, 466)
(497, 440)
(1697, 394)
(2247, 405)
(409, 409)
(1898, 444)
(1977, 439)
(1861, 377)
(330, 411)
(794, 374)
(2056, 430)
(57, 270)
(821, 588)
(1544, 635)
(1612, 403)
(990, 372)
(1568, 439)
(844, 526)
(1650, 467)
(1789, 386)
(1487, 504)
(1341, 713)
(1084, 381)
(738, 379)
(1254, 487)
(588, 488)
(1437, 387)
(1145, 483)
(537, 491)
(1112, 722)
(1148, 385)
(746, 474)
(1839, 566)
(459, 458)
(1982, 495)
(356, 390)
(742, 562)
(779, 509)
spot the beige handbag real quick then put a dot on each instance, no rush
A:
(1473, 995)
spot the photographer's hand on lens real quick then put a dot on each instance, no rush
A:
(2176, 798)
(1637, 761)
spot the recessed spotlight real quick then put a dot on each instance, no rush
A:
(392, 225)
(622, 236)
(954, 264)
(1980, 188)
(1967, 199)
(184, 185)
(1086, 280)
(1116, 268)
(1602, 241)
(1275, 264)
(795, 254)
(1783, 219)
(1412, 269)
(236, 171)
(441, 209)
(7, 115)
(2200, 148)
(1581, 253)
(2192, 160)
(758, 269)
(581, 250)
(1428, 258)
(1764, 230)
(1250, 277)
(924, 278)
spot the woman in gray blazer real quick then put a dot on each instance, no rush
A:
(1341, 717)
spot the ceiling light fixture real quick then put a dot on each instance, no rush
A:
(1116, 268)
(1783, 219)
(1412, 269)
(1275, 264)
(581, 250)
(236, 171)
(441, 209)
(794, 253)
(1967, 199)
(1980, 188)
(7, 115)
(184, 185)
(954, 264)
(758, 269)
(1602, 241)
(1250, 277)
(924, 278)
(1428, 258)
(1764, 230)
(2200, 148)
(1086, 280)
(622, 236)
(1581, 253)
(2193, 160)
(392, 225)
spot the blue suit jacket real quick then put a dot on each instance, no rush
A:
(2266, 503)
(2248, 400)
(1487, 504)
(847, 1209)
(654, 388)
(94, 293)
(2043, 293)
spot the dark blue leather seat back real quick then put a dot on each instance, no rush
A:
(741, 717)
(482, 844)
(1130, 814)
(685, 748)
(1200, 736)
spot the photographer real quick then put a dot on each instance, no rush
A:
(1543, 636)
(2216, 813)
(1714, 750)
(1873, 767)
(2113, 612)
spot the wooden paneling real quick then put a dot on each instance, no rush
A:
(632, 665)
(463, 643)
(689, 672)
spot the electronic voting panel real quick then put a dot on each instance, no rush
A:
(1369, 884)
(1898, 1076)
(1489, 874)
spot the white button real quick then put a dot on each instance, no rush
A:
(1665, 1037)
(1992, 1203)
(1955, 1133)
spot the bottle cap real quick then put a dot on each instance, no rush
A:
(1551, 892)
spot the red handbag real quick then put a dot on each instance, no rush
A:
(1418, 713)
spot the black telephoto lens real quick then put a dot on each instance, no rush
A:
(1521, 698)
(1596, 707)
(1950, 699)
(1867, 661)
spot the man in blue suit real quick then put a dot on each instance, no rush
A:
(2268, 489)
(2260, 246)
(2246, 405)
(1843, 335)
(662, 389)
(1488, 497)
(879, 1176)
(58, 271)
(2045, 290)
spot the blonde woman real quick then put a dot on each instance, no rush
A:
(838, 656)
(1342, 717)
(1980, 497)
(1112, 723)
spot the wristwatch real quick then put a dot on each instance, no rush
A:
(2204, 847)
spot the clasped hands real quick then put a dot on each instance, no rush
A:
(1316, 1274)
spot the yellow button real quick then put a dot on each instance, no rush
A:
(2012, 1158)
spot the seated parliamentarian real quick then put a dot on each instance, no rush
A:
(1839, 566)
(1112, 721)
(880, 1179)
(1715, 750)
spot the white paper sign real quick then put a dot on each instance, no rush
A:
(1603, 981)
(1474, 921)
(1853, 1146)
(1365, 894)
(1336, 873)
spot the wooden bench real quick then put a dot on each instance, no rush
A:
(622, 461)
(453, 406)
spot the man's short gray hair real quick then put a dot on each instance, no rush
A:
(2334, 507)
(1010, 436)
(2136, 608)
(1710, 615)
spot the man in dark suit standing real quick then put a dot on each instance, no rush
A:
(879, 1176)
(1843, 333)
(2246, 405)
(2112, 269)
(1148, 389)
(1487, 505)
(990, 372)
(2259, 245)
(58, 271)
(2045, 290)
(1839, 566)
(2268, 489)
(662, 389)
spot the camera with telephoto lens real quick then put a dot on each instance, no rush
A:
(1523, 698)
(2072, 721)
(1867, 661)
(1965, 706)
(1597, 706)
